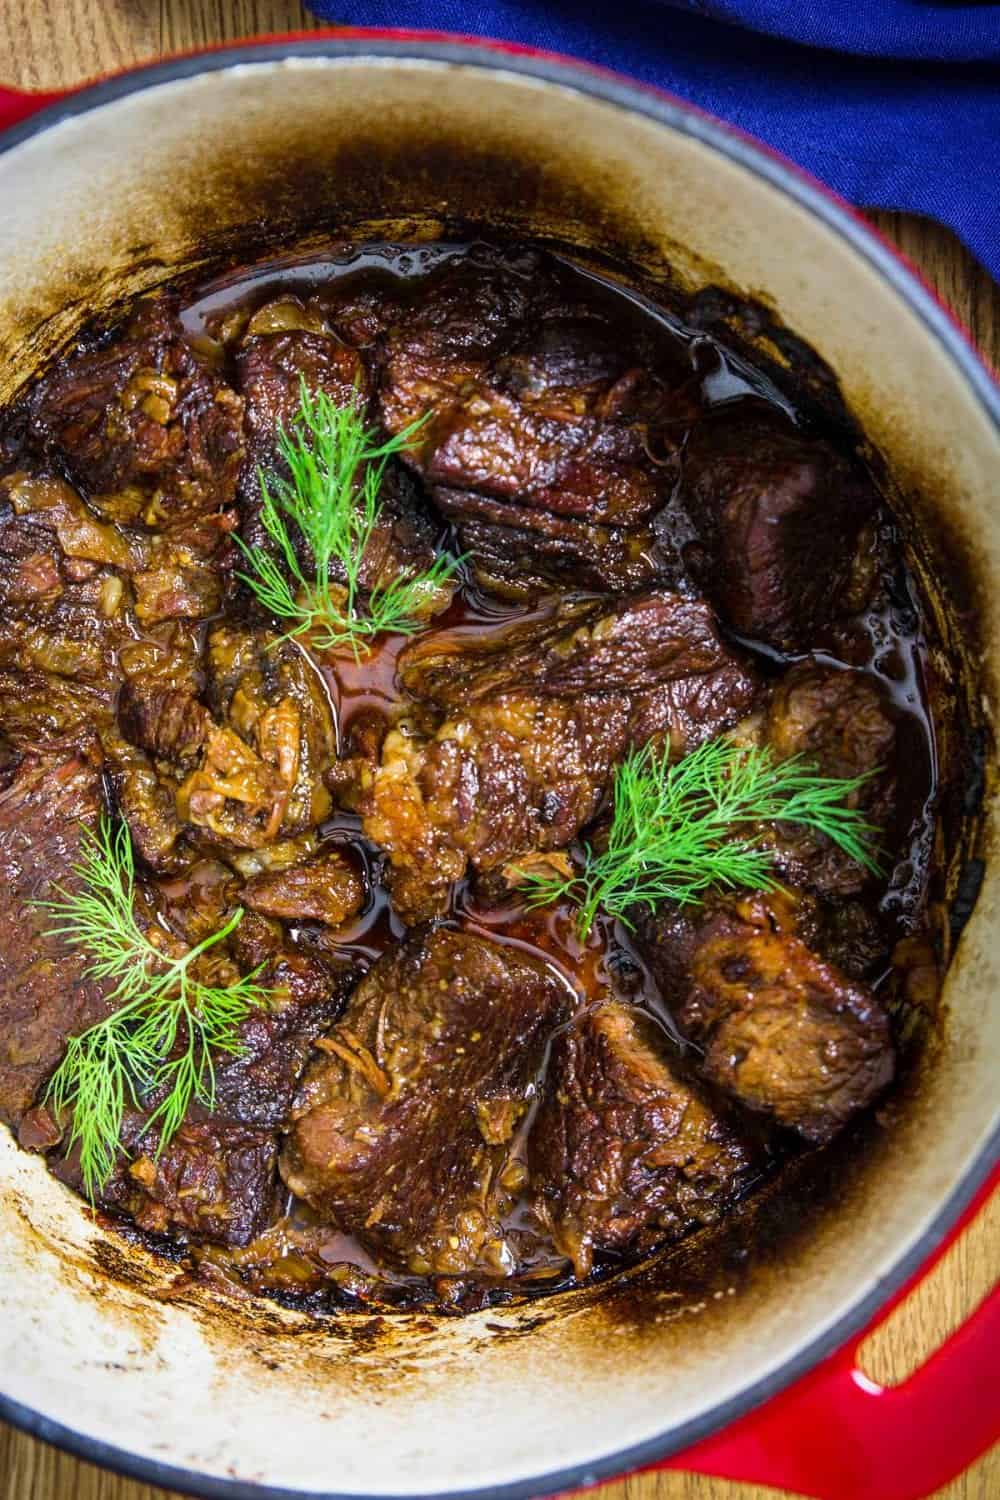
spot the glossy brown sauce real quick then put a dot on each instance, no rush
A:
(297, 1256)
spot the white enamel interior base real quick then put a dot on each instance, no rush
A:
(234, 1390)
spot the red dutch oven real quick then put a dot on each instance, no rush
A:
(271, 148)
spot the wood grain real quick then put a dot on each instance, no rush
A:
(54, 43)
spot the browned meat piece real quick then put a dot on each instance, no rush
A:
(247, 772)
(285, 344)
(523, 553)
(66, 642)
(780, 1030)
(147, 801)
(624, 1154)
(841, 722)
(404, 1126)
(167, 656)
(305, 997)
(213, 1181)
(543, 406)
(590, 646)
(785, 525)
(49, 510)
(43, 998)
(262, 763)
(185, 572)
(38, 708)
(404, 541)
(160, 732)
(62, 607)
(217, 1180)
(142, 424)
(168, 722)
(325, 889)
(538, 716)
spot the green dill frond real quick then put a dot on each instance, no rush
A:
(330, 494)
(159, 1040)
(679, 830)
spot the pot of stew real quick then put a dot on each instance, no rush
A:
(499, 648)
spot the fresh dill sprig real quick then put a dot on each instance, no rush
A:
(335, 468)
(679, 830)
(166, 1024)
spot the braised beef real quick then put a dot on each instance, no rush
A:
(524, 553)
(778, 1028)
(404, 1124)
(213, 1181)
(540, 404)
(285, 345)
(325, 889)
(624, 1154)
(167, 722)
(260, 773)
(785, 528)
(52, 796)
(62, 607)
(147, 429)
(147, 800)
(840, 722)
(523, 729)
(216, 1179)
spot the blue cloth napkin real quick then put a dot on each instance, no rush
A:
(893, 103)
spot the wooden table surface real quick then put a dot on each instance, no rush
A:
(54, 43)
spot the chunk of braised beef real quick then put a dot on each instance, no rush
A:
(522, 553)
(404, 1125)
(63, 596)
(40, 708)
(786, 541)
(261, 770)
(285, 345)
(142, 423)
(841, 722)
(630, 646)
(147, 800)
(51, 796)
(186, 572)
(782, 1031)
(624, 1153)
(212, 1181)
(304, 995)
(167, 722)
(325, 889)
(540, 405)
(216, 1179)
(519, 731)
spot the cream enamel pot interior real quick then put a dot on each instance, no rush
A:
(261, 149)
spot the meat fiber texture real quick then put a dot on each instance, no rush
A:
(779, 1029)
(625, 1153)
(555, 435)
(513, 748)
(404, 1126)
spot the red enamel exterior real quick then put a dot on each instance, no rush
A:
(835, 1434)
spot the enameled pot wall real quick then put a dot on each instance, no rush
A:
(265, 149)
